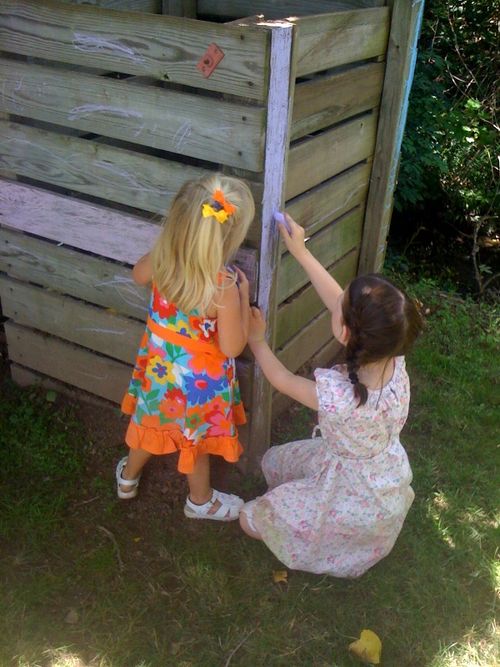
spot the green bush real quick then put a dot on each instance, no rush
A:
(449, 158)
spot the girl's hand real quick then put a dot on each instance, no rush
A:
(257, 330)
(243, 286)
(294, 239)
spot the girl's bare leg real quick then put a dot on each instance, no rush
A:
(200, 490)
(137, 459)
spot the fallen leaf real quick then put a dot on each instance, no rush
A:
(280, 576)
(137, 539)
(367, 648)
(50, 396)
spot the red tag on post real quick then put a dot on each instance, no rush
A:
(210, 59)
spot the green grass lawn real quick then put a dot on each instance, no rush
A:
(87, 580)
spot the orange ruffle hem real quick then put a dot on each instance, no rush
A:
(159, 438)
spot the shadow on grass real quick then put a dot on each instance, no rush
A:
(87, 580)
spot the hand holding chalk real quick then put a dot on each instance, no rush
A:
(281, 219)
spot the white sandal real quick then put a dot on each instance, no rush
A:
(132, 484)
(228, 510)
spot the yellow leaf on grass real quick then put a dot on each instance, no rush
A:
(280, 576)
(367, 648)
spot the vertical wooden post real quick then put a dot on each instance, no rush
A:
(186, 8)
(401, 59)
(279, 111)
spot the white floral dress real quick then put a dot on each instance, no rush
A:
(337, 503)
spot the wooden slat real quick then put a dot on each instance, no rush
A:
(165, 47)
(217, 131)
(81, 367)
(95, 280)
(330, 99)
(24, 377)
(276, 9)
(330, 40)
(153, 6)
(179, 8)
(401, 59)
(297, 312)
(107, 172)
(330, 200)
(308, 341)
(328, 246)
(96, 229)
(66, 362)
(279, 114)
(101, 170)
(89, 227)
(312, 161)
(73, 320)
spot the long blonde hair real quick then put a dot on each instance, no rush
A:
(191, 249)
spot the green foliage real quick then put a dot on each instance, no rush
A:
(449, 158)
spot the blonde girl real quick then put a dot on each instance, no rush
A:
(336, 503)
(184, 395)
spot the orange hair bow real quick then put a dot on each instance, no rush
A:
(220, 209)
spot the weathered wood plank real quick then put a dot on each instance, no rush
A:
(96, 229)
(328, 246)
(330, 99)
(81, 367)
(312, 161)
(279, 113)
(75, 365)
(221, 132)
(165, 47)
(107, 172)
(401, 59)
(179, 8)
(330, 200)
(24, 377)
(295, 313)
(61, 269)
(277, 9)
(71, 319)
(113, 173)
(330, 40)
(309, 340)
(153, 6)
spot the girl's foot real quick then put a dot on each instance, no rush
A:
(125, 488)
(220, 507)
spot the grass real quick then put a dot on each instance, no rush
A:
(88, 581)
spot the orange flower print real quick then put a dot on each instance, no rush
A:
(217, 404)
(194, 417)
(174, 404)
(207, 363)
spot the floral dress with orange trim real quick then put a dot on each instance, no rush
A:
(184, 395)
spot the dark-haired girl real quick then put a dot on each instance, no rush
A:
(337, 503)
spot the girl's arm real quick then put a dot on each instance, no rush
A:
(142, 273)
(299, 388)
(327, 287)
(233, 314)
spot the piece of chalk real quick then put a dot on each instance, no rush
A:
(280, 219)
